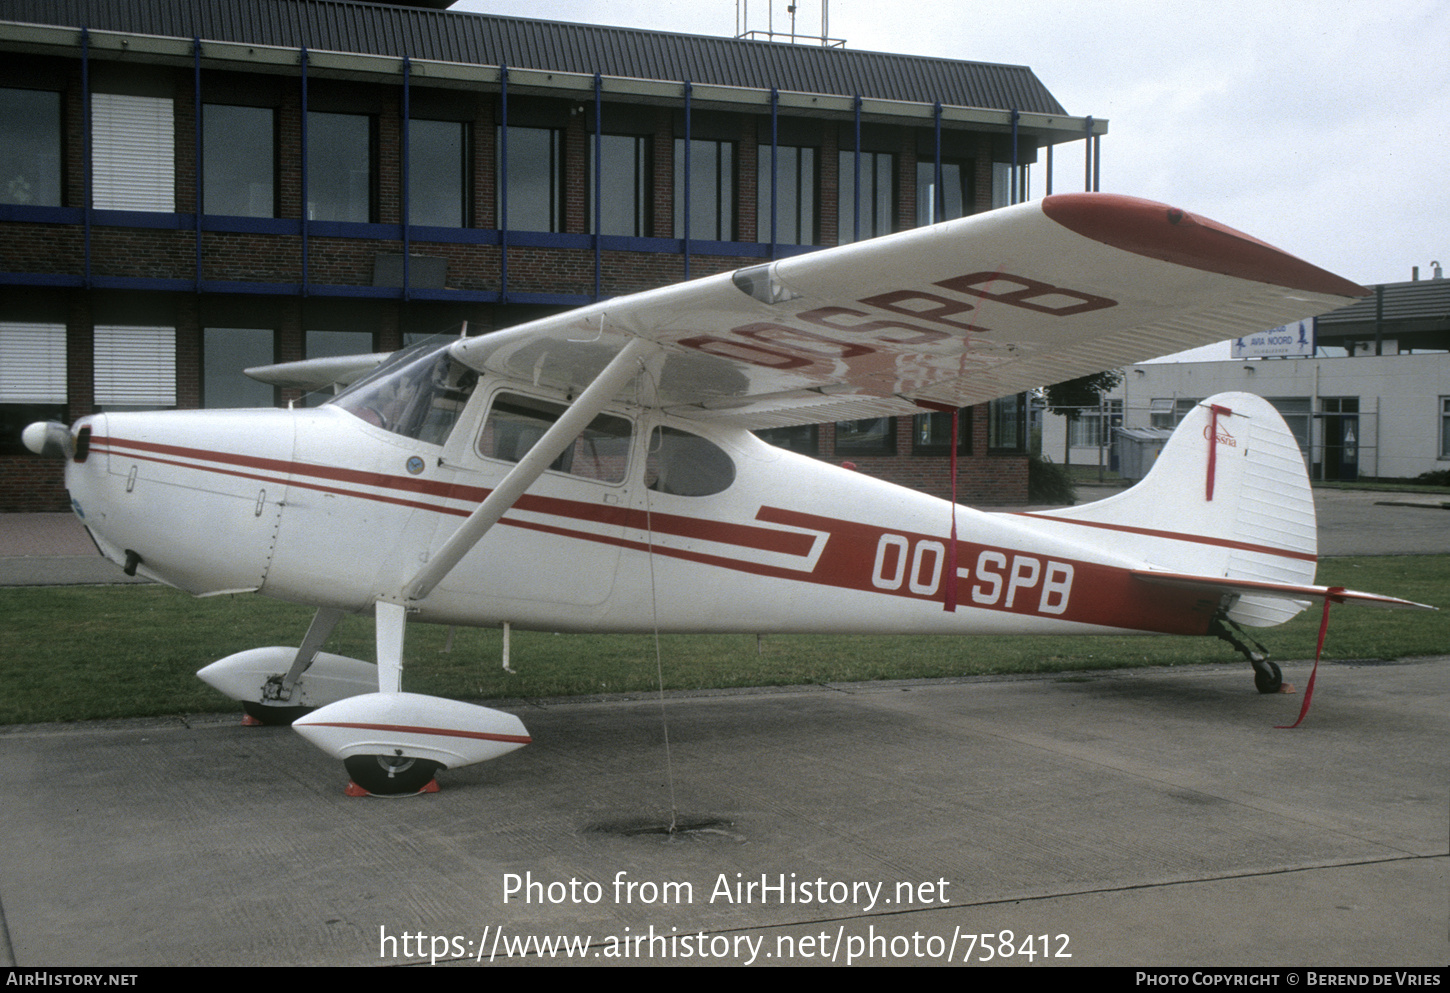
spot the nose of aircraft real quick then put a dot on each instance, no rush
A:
(190, 498)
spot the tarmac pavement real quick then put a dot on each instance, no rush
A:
(1151, 818)
(1143, 818)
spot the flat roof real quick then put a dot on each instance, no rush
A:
(1416, 313)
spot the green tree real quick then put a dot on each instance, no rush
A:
(1069, 399)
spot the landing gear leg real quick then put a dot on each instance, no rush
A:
(392, 774)
(273, 708)
(1268, 678)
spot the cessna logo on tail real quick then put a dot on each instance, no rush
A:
(1223, 437)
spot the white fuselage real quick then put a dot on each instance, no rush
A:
(321, 507)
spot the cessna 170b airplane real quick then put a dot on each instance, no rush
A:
(596, 471)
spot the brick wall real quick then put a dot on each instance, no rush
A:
(31, 484)
(982, 479)
(252, 258)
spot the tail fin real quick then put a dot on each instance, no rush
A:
(1231, 495)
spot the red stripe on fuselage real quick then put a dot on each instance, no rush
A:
(305, 474)
(1100, 595)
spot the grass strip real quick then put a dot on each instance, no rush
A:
(83, 653)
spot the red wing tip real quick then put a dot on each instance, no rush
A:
(1170, 234)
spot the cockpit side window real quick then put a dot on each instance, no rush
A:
(418, 393)
(685, 464)
(516, 423)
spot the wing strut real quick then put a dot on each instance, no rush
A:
(560, 436)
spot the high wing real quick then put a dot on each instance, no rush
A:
(953, 314)
(316, 374)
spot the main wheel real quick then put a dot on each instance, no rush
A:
(274, 716)
(1267, 677)
(391, 775)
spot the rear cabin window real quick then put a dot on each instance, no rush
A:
(516, 423)
(684, 464)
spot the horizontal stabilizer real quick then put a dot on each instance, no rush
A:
(1219, 585)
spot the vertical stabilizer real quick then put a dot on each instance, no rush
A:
(1228, 497)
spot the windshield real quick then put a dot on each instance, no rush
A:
(418, 393)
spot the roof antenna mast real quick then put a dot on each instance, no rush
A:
(743, 30)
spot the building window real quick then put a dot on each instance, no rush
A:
(326, 344)
(1166, 412)
(133, 157)
(712, 190)
(535, 179)
(32, 363)
(225, 353)
(438, 184)
(1007, 424)
(956, 195)
(871, 436)
(239, 174)
(931, 434)
(802, 438)
(339, 167)
(795, 195)
(624, 181)
(1161, 413)
(30, 139)
(878, 195)
(1092, 425)
(1297, 414)
(1001, 184)
(32, 379)
(1445, 427)
(135, 367)
(1338, 435)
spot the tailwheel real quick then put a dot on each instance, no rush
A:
(391, 775)
(273, 716)
(1268, 678)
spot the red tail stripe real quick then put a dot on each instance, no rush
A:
(1198, 539)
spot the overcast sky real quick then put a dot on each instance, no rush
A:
(1320, 126)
